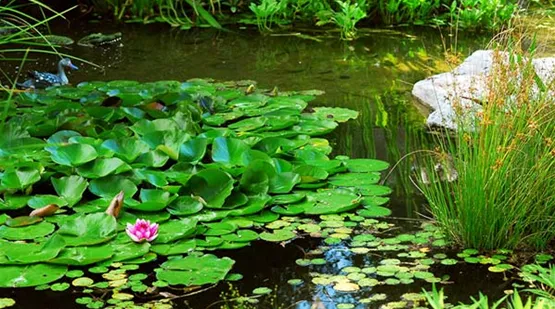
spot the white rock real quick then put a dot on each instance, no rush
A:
(463, 88)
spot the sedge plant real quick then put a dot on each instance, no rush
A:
(505, 160)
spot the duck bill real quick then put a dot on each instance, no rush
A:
(73, 67)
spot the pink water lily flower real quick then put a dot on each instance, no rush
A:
(142, 230)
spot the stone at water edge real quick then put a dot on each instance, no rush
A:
(466, 85)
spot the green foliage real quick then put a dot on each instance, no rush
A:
(436, 300)
(211, 181)
(346, 18)
(504, 161)
(468, 14)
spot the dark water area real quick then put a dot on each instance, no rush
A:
(373, 75)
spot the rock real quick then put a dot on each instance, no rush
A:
(460, 91)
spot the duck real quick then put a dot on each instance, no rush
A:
(41, 80)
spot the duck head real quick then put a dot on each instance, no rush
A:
(66, 62)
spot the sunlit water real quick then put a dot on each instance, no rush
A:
(373, 75)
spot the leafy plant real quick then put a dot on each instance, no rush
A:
(346, 18)
(266, 11)
(208, 181)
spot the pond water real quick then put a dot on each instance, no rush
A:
(373, 75)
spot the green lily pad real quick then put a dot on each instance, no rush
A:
(179, 247)
(16, 276)
(79, 256)
(262, 291)
(22, 221)
(184, 206)
(27, 232)
(277, 235)
(70, 188)
(39, 201)
(174, 230)
(212, 185)
(28, 253)
(20, 178)
(365, 165)
(374, 212)
(194, 270)
(110, 186)
(355, 179)
(73, 154)
(89, 229)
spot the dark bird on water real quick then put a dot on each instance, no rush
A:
(41, 80)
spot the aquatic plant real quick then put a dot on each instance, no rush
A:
(468, 14)
(505, 165)
(346, 18)
(266, 11)
(142, 230)
(436, 299)
(214, 165)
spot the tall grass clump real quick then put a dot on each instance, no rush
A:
(505, 160)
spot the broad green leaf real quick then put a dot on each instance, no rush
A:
(152, 200)
(355, 179)
(184, 206)
(85, 255)
(89, 229)
(174, 230)
(102, 167)
(194, 270)
(179, 247)
(228, 151)
(277, 235)
(365, 165)
(110, 186)
(129, 251)
(256, 178)
(338, 114)
(73, 154)
(17, 276)
(20, 178)
(70, 188)
(29, 253)
(193, 150)
(127, 149)
(212, 185)
(27, 232)
(39, 201)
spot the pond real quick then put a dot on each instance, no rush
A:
(372, 75)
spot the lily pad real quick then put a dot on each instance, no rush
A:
(277, 235)
(30, 275)
(194, 270)
(89, 229)
(27, 232)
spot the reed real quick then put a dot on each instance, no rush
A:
(505, 159)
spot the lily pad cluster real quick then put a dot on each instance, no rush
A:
(211, 163)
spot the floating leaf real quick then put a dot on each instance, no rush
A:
(194, 270)
(212, 185)
(277, 235)
(89, 229)
(262, 291)
(79, 256)
(30, 275)
(73, 154)
(27, 232)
